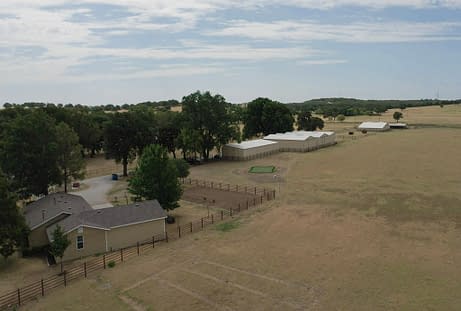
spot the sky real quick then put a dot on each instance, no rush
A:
(99, 52)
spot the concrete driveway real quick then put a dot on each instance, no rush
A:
(95, 195)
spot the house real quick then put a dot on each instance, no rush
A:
(374, 126)
(96, 231)
(248, 150)
(49, 210)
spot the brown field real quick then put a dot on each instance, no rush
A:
(368, 224)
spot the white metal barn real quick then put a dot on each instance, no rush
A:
(248, 150)
(303, 141)
(374, 126)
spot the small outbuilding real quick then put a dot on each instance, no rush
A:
(398, 125)
(248, 150)
(374, 126)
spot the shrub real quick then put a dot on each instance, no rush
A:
(111, 264)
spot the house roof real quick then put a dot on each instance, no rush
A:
(249, 144)
(112, 217)
(51, 206)
(373, 125)
(298, 135)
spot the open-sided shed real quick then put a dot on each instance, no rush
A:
(374, 126)
(248, 150)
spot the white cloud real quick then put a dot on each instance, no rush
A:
(356, 32)
(322, 62)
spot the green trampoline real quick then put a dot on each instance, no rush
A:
(262, 169)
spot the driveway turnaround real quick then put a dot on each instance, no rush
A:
(95, 194)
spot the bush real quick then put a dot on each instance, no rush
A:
(341, 118)
(111, 264)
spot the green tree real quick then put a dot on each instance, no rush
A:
(13, 229)
(341, 118)
(210, 116)
(307, 122)
(190, 142)
(182, 167)
(70, 161)
(126, 134)
(59, 244)
(397, 116)
(156, 177)
(264, 116)
(29, 154)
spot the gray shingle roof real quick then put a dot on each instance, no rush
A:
(50, 206)
(111, 217)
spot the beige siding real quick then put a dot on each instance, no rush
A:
(38, 237)
(93, 242)
(232, 153)
(129, 235)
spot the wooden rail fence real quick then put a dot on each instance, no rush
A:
(40, 288)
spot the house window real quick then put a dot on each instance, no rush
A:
(80, 242)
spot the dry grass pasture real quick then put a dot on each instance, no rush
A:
(368, 224)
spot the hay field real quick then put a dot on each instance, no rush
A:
(368, 224)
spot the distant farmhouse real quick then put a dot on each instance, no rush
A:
(248, 150)
(92, 231)
(374, 126)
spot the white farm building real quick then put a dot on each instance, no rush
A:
(374, 126)
(302, 141)
(248, 150)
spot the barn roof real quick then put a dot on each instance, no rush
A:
(373, 125)
(298, 135)
(250, 144)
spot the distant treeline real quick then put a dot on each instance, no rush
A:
(332, 107)
(159, 105)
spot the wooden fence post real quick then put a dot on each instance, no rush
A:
(19, 297)
(166, 236)
(222, 215)
(273, 194)
(248, 205)
(211, 185)
(137, 247)
(230, 211)
(255, 190)
(121, 254)
(264, 190)
(179, 231)
(65, 278)
(43, 287)
(191, 226)
(104, 261)
(202, 221)
(84, 269)
(212, 218)
(239, 207)
(153, 241)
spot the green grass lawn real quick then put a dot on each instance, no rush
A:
(262, 169)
